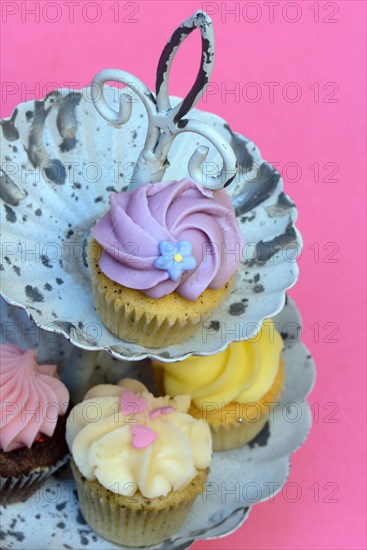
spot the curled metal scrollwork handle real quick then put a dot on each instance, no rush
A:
(164, 121)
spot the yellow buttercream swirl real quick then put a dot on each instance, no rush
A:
(242, 373)
(100, 437)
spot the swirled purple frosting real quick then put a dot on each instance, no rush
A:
(131, 234)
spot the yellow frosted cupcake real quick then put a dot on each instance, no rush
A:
(233, 391)
(162, 260)
(139, 461)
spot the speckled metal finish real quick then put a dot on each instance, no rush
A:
(51, 518)
(61, 160)
(16, 328)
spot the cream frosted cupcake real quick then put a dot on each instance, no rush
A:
(162, 260)
(138, 461)
(34, 403)
(234, 391)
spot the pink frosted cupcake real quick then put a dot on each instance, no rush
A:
(32, 425)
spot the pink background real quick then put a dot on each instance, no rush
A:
(323, 48)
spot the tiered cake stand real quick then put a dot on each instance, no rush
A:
(60, 160)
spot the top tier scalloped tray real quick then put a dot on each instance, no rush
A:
(60, 160)
(63, 155)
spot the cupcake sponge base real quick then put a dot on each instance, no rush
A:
(19, 489)
(136, 318)
(236, 424)
(135, 520)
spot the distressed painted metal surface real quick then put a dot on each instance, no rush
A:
(60, 160)
(259, 469)
(78, 369)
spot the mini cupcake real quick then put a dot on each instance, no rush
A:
(33, 417)
(234, 391)
(139, 461)
(162, 260)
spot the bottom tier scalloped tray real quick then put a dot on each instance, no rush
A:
(238, 479)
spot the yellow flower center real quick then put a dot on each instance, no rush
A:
(178, 258)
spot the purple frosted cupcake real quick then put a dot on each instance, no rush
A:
(161, 260)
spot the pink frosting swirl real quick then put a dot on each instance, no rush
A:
(130, 233)
(32, 397)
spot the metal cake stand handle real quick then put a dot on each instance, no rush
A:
(166, 122)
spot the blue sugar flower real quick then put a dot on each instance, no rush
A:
(175, 258)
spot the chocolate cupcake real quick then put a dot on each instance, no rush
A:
(34, 404)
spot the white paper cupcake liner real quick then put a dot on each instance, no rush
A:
(123, 525)
(19, 489)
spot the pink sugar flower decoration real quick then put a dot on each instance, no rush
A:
(131, 404)
(162, 410)
(142, 437)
